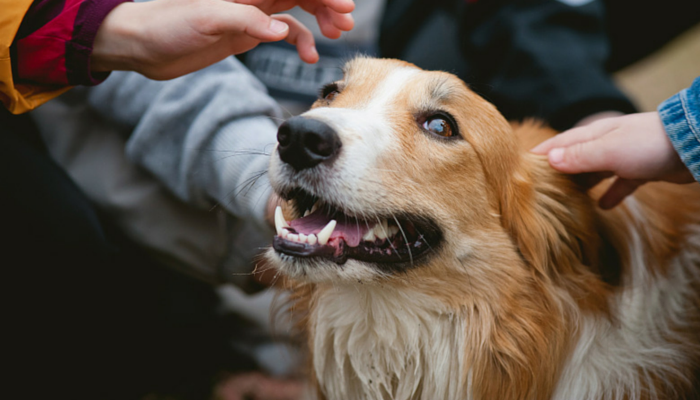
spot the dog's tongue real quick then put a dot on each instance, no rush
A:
(349, 229)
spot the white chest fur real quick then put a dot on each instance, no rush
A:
(374, 342)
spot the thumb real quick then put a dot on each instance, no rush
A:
(591, 156)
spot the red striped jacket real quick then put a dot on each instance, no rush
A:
(49, 50)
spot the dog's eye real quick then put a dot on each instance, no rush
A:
(329, 91)
(439, 126)
(331, 95)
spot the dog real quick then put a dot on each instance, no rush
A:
(431, 256)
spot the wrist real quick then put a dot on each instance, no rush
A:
(116, 40)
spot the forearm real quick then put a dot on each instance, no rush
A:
(206, 136)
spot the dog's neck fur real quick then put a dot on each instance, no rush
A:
(390, 344)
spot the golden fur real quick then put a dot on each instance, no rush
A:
(527, 256)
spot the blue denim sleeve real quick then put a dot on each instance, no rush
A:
(680, 115)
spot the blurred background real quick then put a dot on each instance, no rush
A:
(660, 75)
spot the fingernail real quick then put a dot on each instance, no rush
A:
(556, 156)
(278, 26)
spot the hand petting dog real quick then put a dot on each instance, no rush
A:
(635, 148)
(165, 39)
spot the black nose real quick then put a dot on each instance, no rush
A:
(306, 142)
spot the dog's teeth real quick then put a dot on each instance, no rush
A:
(369, 236)
(393, 230)
(312, 239)
(382, 229)
(307, 212)
(280, 222)
(302, 238)
(326, 232)
(315, 206)
(293, 237)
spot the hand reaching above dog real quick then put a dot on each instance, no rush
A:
(165, 39)
(635, 148)
(333, 16)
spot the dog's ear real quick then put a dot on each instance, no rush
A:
(546, 215)
(550, 218)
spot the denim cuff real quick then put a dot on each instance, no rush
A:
(680, 116)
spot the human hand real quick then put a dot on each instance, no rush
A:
(333, 16)
(633, 147)
(164, 39)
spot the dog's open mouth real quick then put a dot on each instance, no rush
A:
(325, 231)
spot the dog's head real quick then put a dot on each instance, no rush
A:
(399, 173)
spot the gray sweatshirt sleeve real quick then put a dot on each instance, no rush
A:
(207, 136)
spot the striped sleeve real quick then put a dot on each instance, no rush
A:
(54, 42)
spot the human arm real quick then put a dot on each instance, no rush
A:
(60, 44)
(637, 148)
(191, 34)
(205, 136)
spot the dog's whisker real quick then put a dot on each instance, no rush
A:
(243, 188)
(405, 238)
(386, 234)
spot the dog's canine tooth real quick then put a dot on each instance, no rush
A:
(307, 212)
(312, 239)
(370, 236)
(280, 222)
(326, 232)
(380, 233)
(382, 229)
(315, 206)
(393, 230)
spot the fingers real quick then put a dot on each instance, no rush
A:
(340, 6)
(594, 156)
(573, 136)
(236, 18)
(301, 37)
(617, 192)
(333, 24)
(333, 16)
